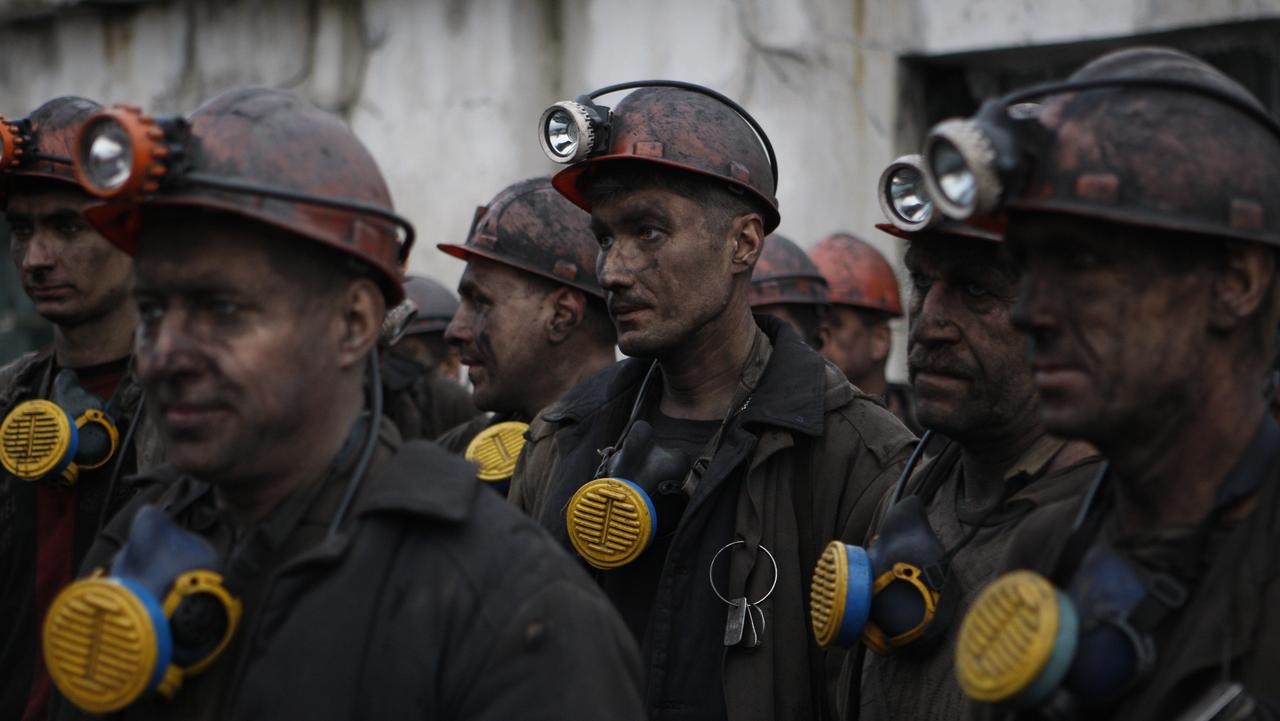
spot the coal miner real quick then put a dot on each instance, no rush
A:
(532, 323)
(855, 332)
(297, 559)
(699, 478)
(1141, 200)
(787, 285)
(71, 416)
(943, 531)
(419, 370)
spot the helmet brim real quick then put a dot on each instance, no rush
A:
(570, 182)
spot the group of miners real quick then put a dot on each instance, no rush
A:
(246, 482)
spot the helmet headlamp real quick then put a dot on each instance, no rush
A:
(122, 154)
(14, 139)
(973, 165)
(574, 130)
(571, 130)
(970, 162)
(904, 195)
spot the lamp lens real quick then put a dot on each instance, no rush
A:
(953, 174)
(108, 159)
(907, 194)
(562, 134)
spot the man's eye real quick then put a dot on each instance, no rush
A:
(605, 241)
(976, 290)
(223, 308)
(70, 228)
(649, 233)
(21, 230)
(921, 281)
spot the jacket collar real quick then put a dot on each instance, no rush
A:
(25, 374)
(794, 392)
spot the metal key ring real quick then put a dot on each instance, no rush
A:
(712, 579)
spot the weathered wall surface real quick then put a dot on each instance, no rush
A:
(446, 92)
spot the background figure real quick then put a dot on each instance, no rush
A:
(532, 322)
(436, 305)
(54, 497)
(786, 285)
(855, 333)
(419, 372)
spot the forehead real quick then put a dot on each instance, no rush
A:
(944, 254)
(1041, 239)
(46, 199)
(202, 257)
(485, 273)
(629, 204)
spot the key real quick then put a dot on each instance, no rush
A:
(736, 622)
(751, 638)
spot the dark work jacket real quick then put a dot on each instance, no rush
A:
(901, 400)
(428, 406)
(808, 450)
(435, 601)
(456, 439)
(1229, 626)
(20, 381)
(919, 682)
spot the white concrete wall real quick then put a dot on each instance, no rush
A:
(446, 92)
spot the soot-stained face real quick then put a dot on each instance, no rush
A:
(1116, 319)
(967, 363)
(856, 346)
(499, 331)
(666, 269)
(230, 351)
(71, 274)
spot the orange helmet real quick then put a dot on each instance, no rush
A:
(784, 274)
(266, 155)
(858, 274)
(667, 123)
(40, 145)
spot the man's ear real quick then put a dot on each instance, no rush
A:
(1242, 286)
(567, 308)
(747, 234)
(360, 309)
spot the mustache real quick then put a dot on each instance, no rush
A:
(625, 301)
(940, 362)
